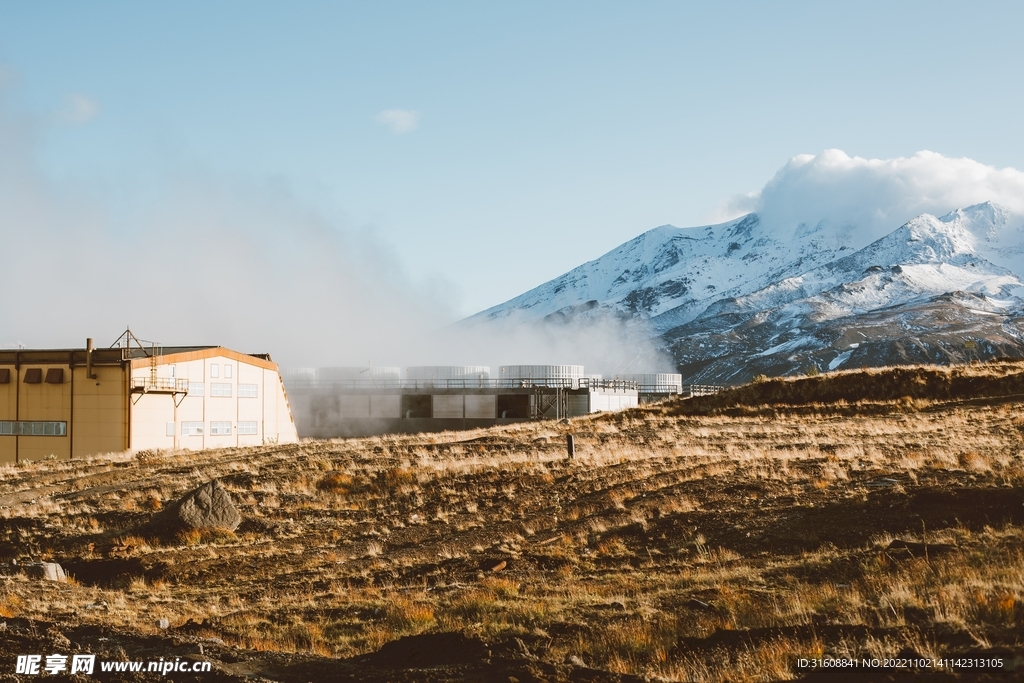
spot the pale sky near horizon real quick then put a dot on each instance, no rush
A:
(495, 146)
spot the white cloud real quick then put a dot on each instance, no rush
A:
(78, 108)
(876, 195)
(399, 120)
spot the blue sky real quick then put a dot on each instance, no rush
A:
(523, 138)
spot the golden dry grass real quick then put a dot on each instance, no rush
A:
(688, 547)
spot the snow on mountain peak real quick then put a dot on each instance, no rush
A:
(830, 238)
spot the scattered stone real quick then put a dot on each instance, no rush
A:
(498, 567)
(163, 624)
(516, 649)
(207, 507)
(575, 660)
(698, 604)
(47, 571)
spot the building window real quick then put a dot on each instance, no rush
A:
(221, 389)
(32, 428)
(55, 376)
(34, 376)
(248, 428)
(196, 389)
(248, 391)
(191, 428)
(5, 376)
(214, 370)
(220, 429)
(227, 371)
(170, 429)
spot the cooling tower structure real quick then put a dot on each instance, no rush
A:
(445, 372)
(543, 375)
(356, 374)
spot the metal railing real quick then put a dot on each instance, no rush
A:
(701, 389)
(471, 383)
(160, 385)
(660, 388)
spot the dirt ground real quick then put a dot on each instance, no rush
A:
(727, 545)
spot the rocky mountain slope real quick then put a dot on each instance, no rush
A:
(743, 298)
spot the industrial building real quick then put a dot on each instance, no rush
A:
(333, 402)
(70, 403)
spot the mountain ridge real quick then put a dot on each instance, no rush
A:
(754, 295)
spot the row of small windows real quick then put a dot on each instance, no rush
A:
(216, 428)
(32, 428)
(223, 390)
(35, 376)
(215, 370)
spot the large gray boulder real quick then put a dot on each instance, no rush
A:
(47, 571)
(207, 507)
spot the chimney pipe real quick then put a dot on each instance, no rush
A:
(88, 358)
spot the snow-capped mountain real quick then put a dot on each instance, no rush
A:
(742, 298)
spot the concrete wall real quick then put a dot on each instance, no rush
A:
(481, 406)
(448, 406)
(601, 400)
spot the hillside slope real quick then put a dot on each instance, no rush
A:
(690, 540)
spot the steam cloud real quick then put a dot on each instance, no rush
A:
(239, 264)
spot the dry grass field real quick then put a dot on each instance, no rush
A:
(863, 514)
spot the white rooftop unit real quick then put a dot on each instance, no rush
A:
(429, 372)
(655, 382)
(551, 375)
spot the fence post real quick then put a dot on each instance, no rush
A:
(570, 446)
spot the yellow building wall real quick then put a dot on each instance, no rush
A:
(8, 403)
(94, 411)
(49, 402)
(100, 412)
